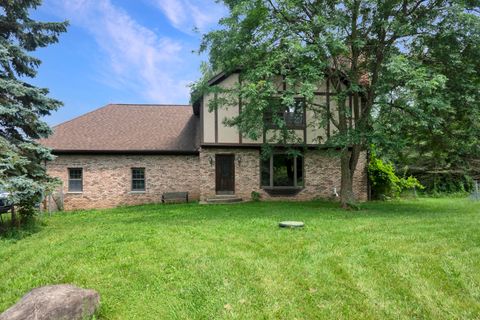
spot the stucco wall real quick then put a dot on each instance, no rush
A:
(316, 131)
(228, 134)
(107, 178)
(208, 119)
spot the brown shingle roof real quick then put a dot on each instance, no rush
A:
(129, 128)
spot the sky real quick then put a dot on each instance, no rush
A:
(122, 51)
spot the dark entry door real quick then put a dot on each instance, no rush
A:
(225, 173)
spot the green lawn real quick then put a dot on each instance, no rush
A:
(397, 260)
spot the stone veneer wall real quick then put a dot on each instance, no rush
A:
(322, 174)
(107, 178)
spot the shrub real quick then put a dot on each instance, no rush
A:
(385, 182)
(255, 196)
(446, 183)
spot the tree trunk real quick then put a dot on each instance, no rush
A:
(14, 217)
(349, 161)
(351, 153)
(347, 196)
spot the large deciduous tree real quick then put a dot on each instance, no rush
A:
(22, 105)
(441, 153)
(357, 44)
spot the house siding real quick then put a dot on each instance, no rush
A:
(107, 178)
(316, 131)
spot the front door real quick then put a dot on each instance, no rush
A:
(225, 173)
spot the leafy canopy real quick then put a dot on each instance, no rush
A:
(441, 150)
(374, 48)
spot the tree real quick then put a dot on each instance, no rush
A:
(441, 152)
(23, 105)
(351, 42)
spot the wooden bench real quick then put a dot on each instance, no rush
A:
(175, 197)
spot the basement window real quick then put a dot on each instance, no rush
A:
(138, 179)
(75, 180)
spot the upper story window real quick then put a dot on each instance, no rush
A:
(138, 179)
(75, 179)
(293, 115)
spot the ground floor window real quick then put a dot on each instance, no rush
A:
(75, 179)
(138, 179)
(282, 170)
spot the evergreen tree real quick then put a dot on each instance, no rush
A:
(22, 105)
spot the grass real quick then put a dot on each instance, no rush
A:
(396, 260)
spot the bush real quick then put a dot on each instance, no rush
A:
(445, 183)
(385, 182)
(255, 196)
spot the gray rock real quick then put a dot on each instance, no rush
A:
(57, 302)
(291, 224)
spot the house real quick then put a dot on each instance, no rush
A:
(131, 154)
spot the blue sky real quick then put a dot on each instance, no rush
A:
(122, 51)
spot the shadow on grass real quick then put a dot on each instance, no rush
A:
(418, 207)
(324, 210)
(24, 229)
(194, 214)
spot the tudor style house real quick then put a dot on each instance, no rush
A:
(132, 154)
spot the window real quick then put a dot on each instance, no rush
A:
(281, 171)
(75, 180)
(293, 116)
(138, 179)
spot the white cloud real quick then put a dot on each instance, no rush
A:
(138, 59)
(186, 15)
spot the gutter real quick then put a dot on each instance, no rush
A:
(129, 152)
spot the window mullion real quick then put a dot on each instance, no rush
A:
(138, 179)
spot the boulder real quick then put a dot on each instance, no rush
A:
(57, 302)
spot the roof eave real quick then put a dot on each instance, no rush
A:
(212, 82)
(120, 152)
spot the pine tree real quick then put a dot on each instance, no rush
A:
(22, 105)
